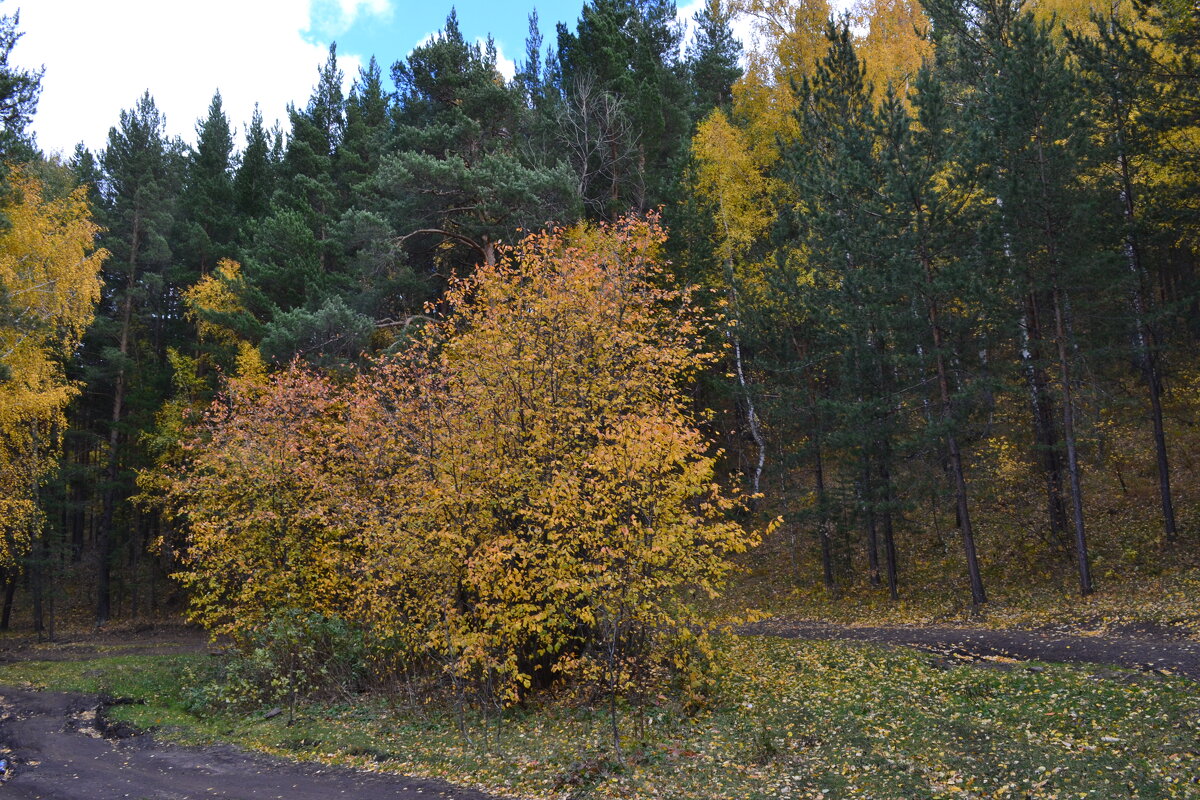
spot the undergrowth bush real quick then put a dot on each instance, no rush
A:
(297, 656)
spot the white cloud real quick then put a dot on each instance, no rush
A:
(742, 25)
(504, 65)
(332, 18)
(101, 56)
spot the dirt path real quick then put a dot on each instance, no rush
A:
(1148, 653)
(62, 748)
(76, 646)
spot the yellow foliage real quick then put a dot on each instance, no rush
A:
(789, 40)
(730, 185)
(214, 293)
(527, 486)
(49, 285)
(895, 45)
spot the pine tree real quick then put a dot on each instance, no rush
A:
(292, 256)
(853, 303)
(623, 61)
(254, 181)
(1117, 62)
(138, 313)
(457, 177)
(1024, 115)
(208, 225)
(713, 59)
(366, 132)
(19, 90)
(935, 220)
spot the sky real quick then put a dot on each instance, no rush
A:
(101, 55)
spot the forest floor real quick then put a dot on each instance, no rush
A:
(863, 716)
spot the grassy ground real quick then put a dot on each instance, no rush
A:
(792, 719)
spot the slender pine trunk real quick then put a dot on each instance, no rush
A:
(824, 524)
(889, 534)
(1041, 404)
(1147, 343)
(868, 505)
(978, 595)
(104, 536)
(1081, 550)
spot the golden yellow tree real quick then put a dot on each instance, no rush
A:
(789, 40)
(49, 286)
(729, 186)
(526, 491)
(896, 43)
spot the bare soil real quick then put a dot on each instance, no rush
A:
(61, 746)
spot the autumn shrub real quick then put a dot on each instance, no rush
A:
(524, 495)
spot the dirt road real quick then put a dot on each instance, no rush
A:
(64, 750)
(1147, 653)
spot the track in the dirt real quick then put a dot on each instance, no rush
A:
(61, 752)
(1176, 656)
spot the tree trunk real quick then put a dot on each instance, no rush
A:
(868, 504)
(104, 534)
(10, 590)
(978, 596)
(1041, 405)
(889, 537)
(747, 397)
(1081, 550)
(824, 524)
(1147, 343)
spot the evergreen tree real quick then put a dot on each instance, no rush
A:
(292, 256)
(623, 60)
(853, 304)
(937, 266)
(1118, 62)
(19, 90)
(366, 132)
(1023, 112)
(208, 222)
(138, 318)
(254, 181)
(457, 176)
(713, 58)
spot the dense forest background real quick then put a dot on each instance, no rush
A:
(953, 246)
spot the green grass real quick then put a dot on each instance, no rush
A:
(792, 720)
